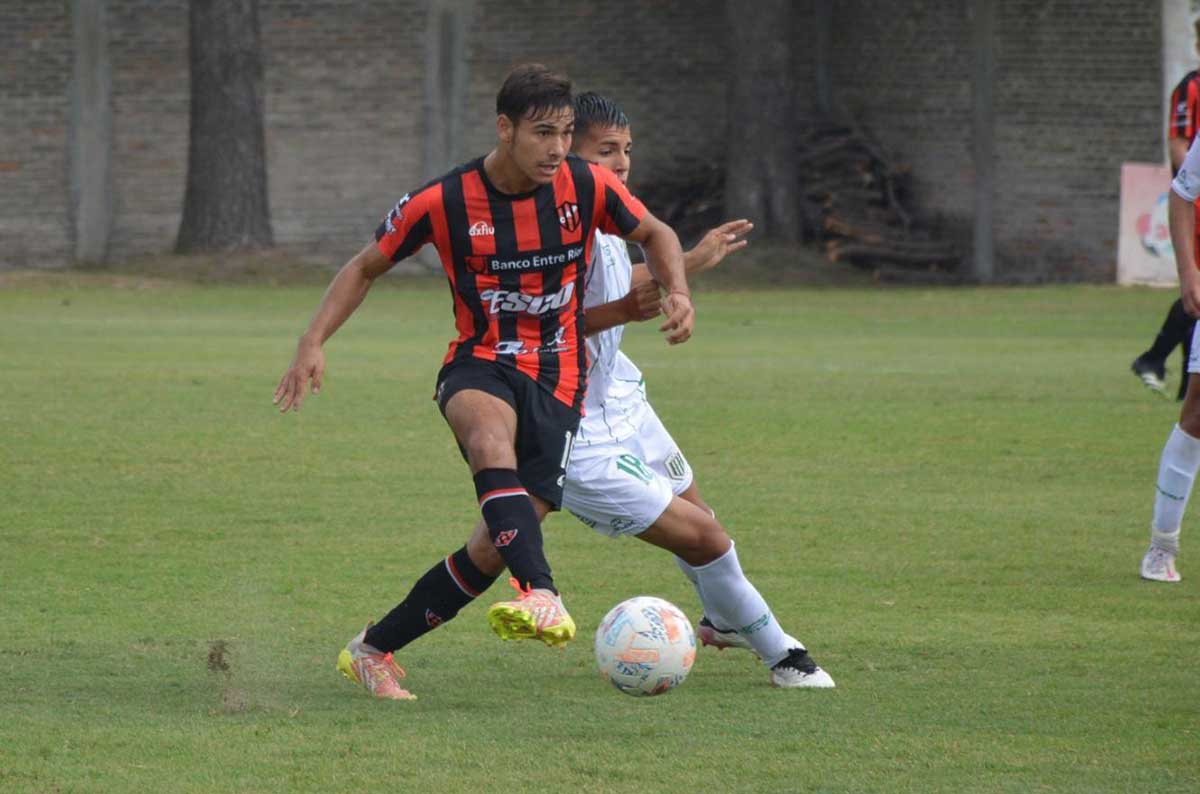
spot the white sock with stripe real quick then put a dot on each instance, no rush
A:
(731, 601)
(1176, 473)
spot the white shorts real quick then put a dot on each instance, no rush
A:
(1193, 364)
(622, 488)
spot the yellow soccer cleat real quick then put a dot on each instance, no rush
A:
(533, 615)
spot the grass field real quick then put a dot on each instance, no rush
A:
(944, 493)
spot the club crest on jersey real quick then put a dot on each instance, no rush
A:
(481, 229)
(504, 538)
(568, 216)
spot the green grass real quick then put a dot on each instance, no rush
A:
(944, 493)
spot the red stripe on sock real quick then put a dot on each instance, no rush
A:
(500, 492)
(459, 580)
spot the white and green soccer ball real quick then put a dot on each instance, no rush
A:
(645, 646)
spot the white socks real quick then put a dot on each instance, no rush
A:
(1176, 472)
(732, 602)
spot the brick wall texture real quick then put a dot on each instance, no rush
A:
(1077, 93)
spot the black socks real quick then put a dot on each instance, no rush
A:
(436, 598)
(513, 526)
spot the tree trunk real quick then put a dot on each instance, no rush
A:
(225, 207)
(761, 182)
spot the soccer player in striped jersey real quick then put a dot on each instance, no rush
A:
(514, 232)
(626, 475)
(1151, 366)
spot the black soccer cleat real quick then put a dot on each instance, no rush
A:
(1151, 372)
(799, 670)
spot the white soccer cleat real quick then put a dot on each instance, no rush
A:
(1159, 565)
(799, 671)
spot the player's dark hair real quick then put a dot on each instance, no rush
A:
(596, 110)
(532, 90)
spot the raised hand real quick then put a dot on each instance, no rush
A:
(717, 244)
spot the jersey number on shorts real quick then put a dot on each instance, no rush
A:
(633, 466)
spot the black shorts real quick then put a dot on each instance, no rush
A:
(545, 425)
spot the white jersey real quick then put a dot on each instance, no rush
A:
(615, 405)
(1187, 182)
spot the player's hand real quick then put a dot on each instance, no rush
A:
(307, 367)
(719, 243)
(681, 317)
(643, 302)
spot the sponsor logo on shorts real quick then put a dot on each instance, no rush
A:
(503, 300)
(504, 538)
(623, 524)
(584, 519)
(433, 619)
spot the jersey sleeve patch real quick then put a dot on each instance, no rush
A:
(404, 229)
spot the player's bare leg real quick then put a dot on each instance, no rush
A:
(700, 543)
(486, 426)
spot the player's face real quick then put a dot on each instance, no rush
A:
(538, 145)
(611, 147)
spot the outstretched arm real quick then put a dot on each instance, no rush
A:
(713, 247)
(642, 302)
(345, 294)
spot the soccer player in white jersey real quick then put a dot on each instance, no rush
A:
(626, 475)
(1181, 454)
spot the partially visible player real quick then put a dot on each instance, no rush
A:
(513, 230)
(1151, 366)
(1181, 454)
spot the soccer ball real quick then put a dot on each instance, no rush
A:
(645, 646)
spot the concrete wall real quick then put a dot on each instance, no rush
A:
(1078, 92)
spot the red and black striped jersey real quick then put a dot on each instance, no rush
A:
(516, 263)
(1185, 101)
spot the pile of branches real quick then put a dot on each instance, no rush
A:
(856, 195)
(853, 204)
